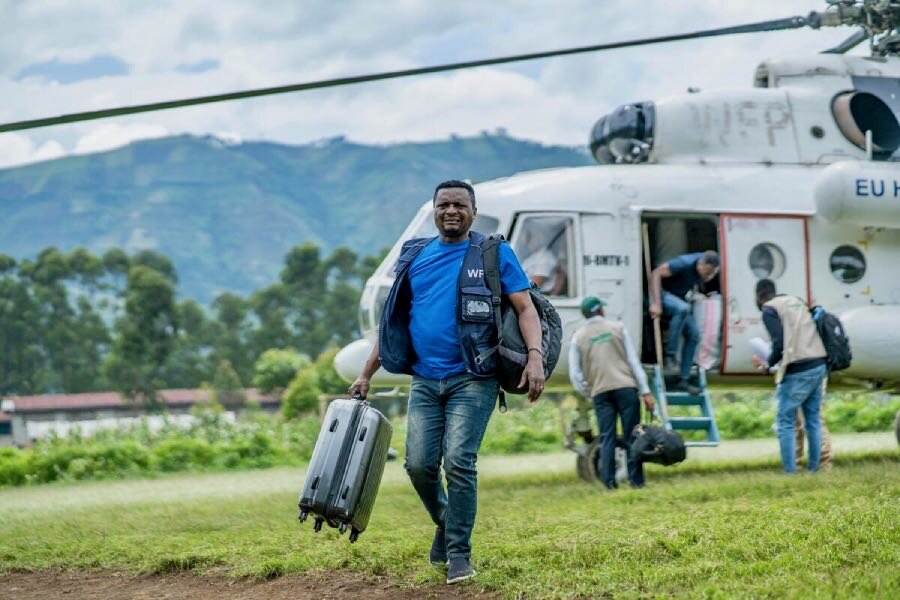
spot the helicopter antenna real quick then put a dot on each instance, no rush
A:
(877, 18)
(859, 36)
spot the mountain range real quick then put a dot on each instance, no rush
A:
(226, 213)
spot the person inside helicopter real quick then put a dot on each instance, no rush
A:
(543, 240)
(673, 285)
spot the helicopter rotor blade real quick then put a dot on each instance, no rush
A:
(773, 25)
(858, 36)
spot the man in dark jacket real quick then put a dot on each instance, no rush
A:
(438, 326)
(671, 283)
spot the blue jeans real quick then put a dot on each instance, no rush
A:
(624, 403)
(681, 324)
(446, 421)
(801, 390)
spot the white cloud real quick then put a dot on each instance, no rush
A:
(112, 135)
(18, 149)
(554, 101)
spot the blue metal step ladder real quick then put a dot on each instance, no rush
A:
(705, 421)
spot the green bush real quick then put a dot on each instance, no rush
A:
(49, 462)
(299, 438)
(181, 454)
(861, 413)
(210, 442)
(535, 428)
(275, 369)
(302, 395)
(261, 440)
(13, 466)
(740, 421)
(328, 380)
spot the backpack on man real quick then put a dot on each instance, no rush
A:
(834, 338)
(511, 347)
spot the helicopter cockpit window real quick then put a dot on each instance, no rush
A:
(380, 299)
(544, 247)
(847, 263)
(767, 261)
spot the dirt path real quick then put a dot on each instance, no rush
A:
(51, 585)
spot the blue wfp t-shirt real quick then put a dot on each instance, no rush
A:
(432, 323)
(684, 274)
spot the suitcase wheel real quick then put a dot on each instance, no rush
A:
(317, 527)
(342, 528)
(303, 515)
(354, 535)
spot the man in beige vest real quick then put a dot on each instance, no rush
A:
(798, 350)
(604, 367)
(763, 350)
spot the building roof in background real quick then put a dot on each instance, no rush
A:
(48, 402)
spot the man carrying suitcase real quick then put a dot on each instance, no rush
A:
(437, 320)
(604, 367)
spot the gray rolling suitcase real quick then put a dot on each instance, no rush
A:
(346, 467)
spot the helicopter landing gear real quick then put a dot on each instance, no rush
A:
(587, 463)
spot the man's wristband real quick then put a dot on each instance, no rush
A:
(538, 350)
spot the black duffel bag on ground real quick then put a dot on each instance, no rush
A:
(657, 445)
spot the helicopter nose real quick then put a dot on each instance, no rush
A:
(349, 360)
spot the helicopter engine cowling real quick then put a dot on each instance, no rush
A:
(861, 193)
(624, 135)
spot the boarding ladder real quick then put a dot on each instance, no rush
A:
(705, 421)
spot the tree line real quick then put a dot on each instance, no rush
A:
(79, 322)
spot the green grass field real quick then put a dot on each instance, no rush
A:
(712, 527)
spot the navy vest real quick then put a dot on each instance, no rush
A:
(474, 313)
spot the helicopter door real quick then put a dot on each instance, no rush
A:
(604, 262)
(754, 248)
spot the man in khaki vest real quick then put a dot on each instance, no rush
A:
(763, 350)
(798, 350)
(604, 367)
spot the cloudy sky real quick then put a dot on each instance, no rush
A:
(59, 56)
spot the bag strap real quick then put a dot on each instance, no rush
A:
(490, 256)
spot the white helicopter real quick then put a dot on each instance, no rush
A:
(781, 180)
(796, 180)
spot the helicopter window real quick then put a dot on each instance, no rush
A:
(767, 261)
(485, 225)
(847, 263)
(544, 245)
(380, 299)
